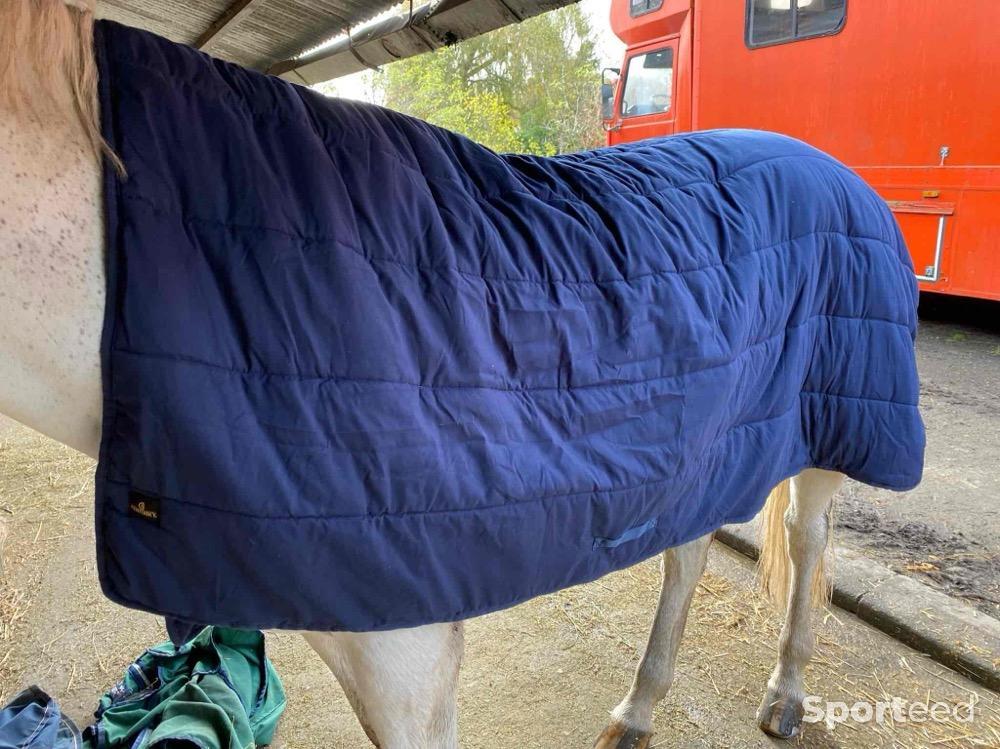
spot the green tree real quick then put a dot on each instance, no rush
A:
(531, 87)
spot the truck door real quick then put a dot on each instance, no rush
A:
(645, 103)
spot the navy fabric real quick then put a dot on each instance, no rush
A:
(363, 373)
(180, 631)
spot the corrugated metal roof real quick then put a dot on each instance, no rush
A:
(272, 34)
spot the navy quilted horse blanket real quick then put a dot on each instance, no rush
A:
(362, 373)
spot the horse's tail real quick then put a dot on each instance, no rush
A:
(774, 565)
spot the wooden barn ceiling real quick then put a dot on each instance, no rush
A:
(272, 35)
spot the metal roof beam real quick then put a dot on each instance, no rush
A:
(436, 24)
(233, 15)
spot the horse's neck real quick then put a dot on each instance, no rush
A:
(51, 280)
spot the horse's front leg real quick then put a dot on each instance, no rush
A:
(401, 683)
(632, 721)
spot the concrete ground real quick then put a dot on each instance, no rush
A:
(946, 532)
(543, 674)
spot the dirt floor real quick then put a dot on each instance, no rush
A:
(946, 531)
(543, 674)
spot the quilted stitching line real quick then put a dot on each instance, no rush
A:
(725, 435)
(590, 386)
(370, 258)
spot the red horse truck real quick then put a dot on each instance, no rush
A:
(906, 92)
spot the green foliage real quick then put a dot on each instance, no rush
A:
(531, 87)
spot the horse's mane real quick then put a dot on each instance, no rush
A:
(47, 65)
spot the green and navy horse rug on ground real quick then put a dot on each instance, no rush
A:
(362, 373)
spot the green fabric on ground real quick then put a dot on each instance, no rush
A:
(217, 691)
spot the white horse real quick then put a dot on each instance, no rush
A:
(401, 683)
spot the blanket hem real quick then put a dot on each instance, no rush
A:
(400, 622)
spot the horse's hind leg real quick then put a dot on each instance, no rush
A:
(401, 683)
(632, 721)
(807, 531)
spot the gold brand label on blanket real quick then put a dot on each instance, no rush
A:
(144, 506)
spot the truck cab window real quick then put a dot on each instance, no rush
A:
(776, 21)
(648, 83)
(639, 7)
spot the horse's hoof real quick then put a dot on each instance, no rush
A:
(780, 717)
(619, 736)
